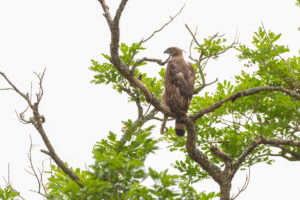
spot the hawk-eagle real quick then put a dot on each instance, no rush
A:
(179, 87)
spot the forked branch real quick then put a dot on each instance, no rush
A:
(37, 121)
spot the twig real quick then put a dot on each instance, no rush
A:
(193, 35)
(162, 27)
(191, 44)
(135, 98)
(199, 89)
(244, 187)
(6, 88)
(29, 155)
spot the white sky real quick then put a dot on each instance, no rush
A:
(63, 35)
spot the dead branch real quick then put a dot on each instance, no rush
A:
(244, 187)
(200, 88)
(135, 98)
(158, 61)
(33, 172)
(193, 35)
(37, 121)
(191, 44)
(162, 27)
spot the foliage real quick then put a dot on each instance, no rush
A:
(8, 193)
(119, 170)
(119, 173)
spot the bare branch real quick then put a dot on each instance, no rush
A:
(162, 27)
(16, 89)
(37, 121)
(193, 35)
(244, 186)
(29, 155)
(191, 44)
(135, 98)
(290, 68)
(199, 89)
(6, 88)
(246, 92)
(158, 61)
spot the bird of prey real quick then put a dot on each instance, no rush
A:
(179, 87)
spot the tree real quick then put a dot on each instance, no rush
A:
(240, 124)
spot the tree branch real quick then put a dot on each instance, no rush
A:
(137, 123)
(37, 121)
(162, 27)
(277, 142)
(245, 153)
(199, 89)
(244, 186)
(222, 155)
(246, 92)
(213, 170)
(158, 61)
(121, 67)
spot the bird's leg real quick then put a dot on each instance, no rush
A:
(163, 128)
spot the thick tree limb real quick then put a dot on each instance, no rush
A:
(121, 67)
(277, 142)
(246, 92)
(213, 170)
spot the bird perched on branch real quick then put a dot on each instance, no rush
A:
(179, 88)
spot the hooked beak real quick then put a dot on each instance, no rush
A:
(167, 51)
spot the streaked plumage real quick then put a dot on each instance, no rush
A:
(179, 87)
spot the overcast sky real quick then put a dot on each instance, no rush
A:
(64, 35)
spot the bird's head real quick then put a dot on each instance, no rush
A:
(173, 51)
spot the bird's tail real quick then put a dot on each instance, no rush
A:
(179, 124)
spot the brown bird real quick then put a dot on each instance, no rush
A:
(179, 88)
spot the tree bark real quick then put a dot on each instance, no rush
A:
(225, 188)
